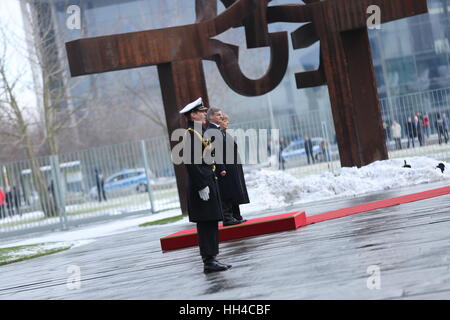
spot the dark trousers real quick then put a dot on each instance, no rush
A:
(231, 210)
(421, 139)
(101, 194)
(281, 161)
(208, 238)
(398, 143)
(441, 133)
(412, 140)
(310, 155)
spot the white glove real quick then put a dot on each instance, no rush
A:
(204, 193)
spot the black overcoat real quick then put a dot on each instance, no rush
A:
(308, 146)
(199, 176)
(232, 186)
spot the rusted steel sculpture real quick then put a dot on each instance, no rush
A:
(346, 63)
(346, 67)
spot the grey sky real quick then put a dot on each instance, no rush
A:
(17, 65)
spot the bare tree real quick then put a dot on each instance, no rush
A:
(16, 122)
(145, 100)
(59, 111)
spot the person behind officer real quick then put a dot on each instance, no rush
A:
(233, 189)
(213, 132)
(204, 204)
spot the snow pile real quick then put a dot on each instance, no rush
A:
(274, 189)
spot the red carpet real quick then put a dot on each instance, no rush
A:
(289, 221)
(377, 205)
(250, 228)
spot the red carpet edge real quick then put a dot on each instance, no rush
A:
(253, 227)
(377, 205)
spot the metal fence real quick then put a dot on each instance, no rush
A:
(57, 192)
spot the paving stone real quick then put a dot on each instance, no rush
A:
(409, 243)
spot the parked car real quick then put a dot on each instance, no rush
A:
(123, 182)
(295, 151)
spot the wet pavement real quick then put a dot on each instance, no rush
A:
(408, 244)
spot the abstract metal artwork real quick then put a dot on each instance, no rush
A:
(345, 61)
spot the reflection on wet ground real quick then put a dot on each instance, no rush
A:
(409, 244)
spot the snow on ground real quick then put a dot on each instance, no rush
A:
(15, 254)
(276, 189)
(89, 233)
(269, 189)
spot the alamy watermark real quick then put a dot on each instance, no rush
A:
(74, 279)
(374, 281)
(251, 146)
(374, 20)
(73, 21)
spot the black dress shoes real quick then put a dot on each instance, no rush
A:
(230, 222)
(224, 264)
(212, 265)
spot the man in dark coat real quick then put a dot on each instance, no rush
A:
(410, 131)
(204, 203)
(100, 185)
(419, 129)
(232, 186)
(440, 129)
(309, 149)
(282, 146)
(9, 197)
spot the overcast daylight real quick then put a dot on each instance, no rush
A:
(232, 158)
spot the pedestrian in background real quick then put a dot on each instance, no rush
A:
(281, 146)
(426, 125)
(100, 181)
(419, 129)
(410, 131)
(9, 199)
(396, 133)
(440, 129)
(386, 131)
(309, 149)
(446, 124)
(324, 150)
(2, 204)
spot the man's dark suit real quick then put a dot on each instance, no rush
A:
(232, 186)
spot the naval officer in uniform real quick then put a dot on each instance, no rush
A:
(204, 204)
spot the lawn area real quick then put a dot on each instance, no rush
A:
(162, 221)
(20, 253)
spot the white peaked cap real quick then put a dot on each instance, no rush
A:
(193, 105)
